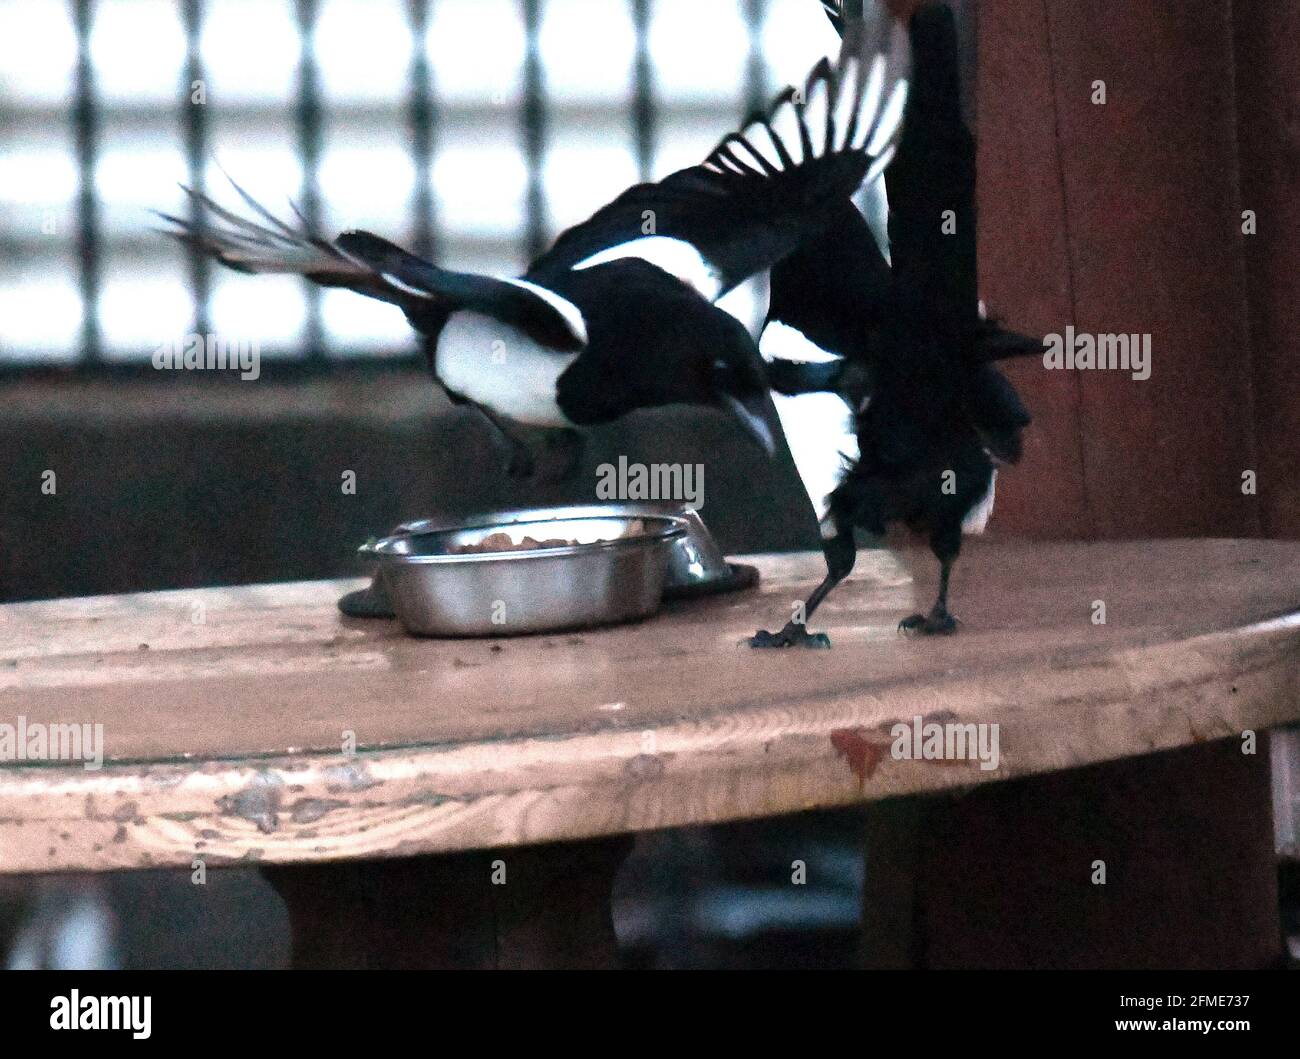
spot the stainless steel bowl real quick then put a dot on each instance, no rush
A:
(694, 563)
(614, 572)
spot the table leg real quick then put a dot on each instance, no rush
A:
(1008, 875)
(17, 895)
(523, 907)
(893, 831)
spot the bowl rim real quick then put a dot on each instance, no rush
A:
(561, 511)
(671, 528)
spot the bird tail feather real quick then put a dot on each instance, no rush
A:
(271, 247)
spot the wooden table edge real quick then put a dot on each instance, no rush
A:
(808, 753)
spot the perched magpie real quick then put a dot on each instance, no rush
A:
(913, 355)
(619, 314)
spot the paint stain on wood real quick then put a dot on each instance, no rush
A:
(862, 754)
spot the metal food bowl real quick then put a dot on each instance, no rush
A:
(696, 565)
(614, 571)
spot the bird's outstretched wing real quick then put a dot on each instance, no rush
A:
(764, 189)
(840, 294)
(370, 265)
(834, 289)
(835, 12)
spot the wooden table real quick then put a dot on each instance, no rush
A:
(256, 724)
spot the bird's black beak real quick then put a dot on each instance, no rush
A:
(752, 415)
(740, 386)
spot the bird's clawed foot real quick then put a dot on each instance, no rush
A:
(937, 623)
(793, 635)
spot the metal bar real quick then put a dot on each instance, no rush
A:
(422, 121)
(756, 98)
(195, 120)
(85, 117)
(309, 121)
(534, 129)
(756, 67)
(645, 111)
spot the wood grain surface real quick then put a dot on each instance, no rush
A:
(225, 710)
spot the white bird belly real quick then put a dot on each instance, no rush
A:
(495, 365)
(977, 518)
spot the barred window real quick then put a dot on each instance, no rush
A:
(469, 130)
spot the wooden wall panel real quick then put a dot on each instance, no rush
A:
(1143, 192)
(1024, 270)
(1155, 246)
(1268, 132)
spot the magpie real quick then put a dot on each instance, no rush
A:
(619, 313)
(912, 354)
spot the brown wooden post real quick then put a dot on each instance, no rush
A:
(1268, 133)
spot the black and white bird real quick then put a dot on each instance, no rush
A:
(619, 314)
(910, 353)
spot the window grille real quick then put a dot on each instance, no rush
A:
(469, 130)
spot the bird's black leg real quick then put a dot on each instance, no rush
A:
(939, 621)
(841, 552)
(519, 462)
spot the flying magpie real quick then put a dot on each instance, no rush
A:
(913, 355)
(619, 313)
